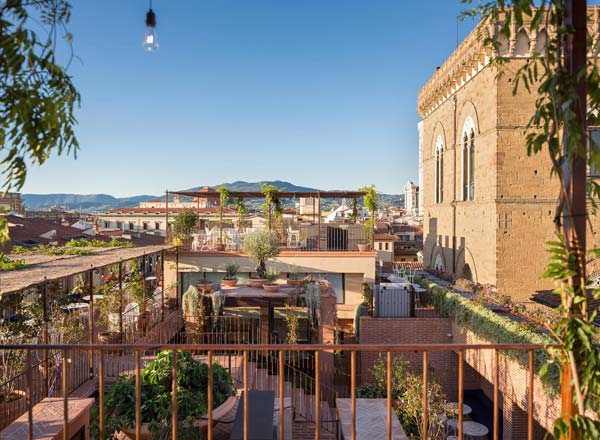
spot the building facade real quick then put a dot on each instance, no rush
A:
(411, 198)
(488, 205)
(12, 202)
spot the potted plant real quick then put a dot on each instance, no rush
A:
(223, 199)
(204, 285)
(241, 211)
(156, 381)
(371, 202)
(140, 292)
(271, 285)
(323, 284)
(261, 246)
(272, 206)
(230, 279)
(183, 227)
(12, 364)
(110, 309)
(294, 277)
(194, 313)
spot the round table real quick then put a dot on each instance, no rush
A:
(471, 429)
(75, 306)
(88, 299)
(453, 407)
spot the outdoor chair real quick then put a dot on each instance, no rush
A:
(293, 237)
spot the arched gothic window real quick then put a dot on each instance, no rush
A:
(522, 44)
(468, 160)
(439, 170)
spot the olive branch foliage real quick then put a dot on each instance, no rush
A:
(37, 95)
(554, 129)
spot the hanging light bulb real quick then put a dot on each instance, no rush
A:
(150, 43)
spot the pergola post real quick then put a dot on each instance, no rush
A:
(91, 318)
(121, 297)
(198, 213)
(167, 214)
(575, 172)
(319, 221)
(162, 285)
(45, 336)
(177, 287)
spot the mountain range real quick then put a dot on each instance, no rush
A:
(102, 202)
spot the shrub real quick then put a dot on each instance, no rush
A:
(492, 327)
(156, 380)
(185, 224)
(261, 246)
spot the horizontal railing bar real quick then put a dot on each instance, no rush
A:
(286, 347)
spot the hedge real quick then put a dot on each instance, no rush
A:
(490, 326)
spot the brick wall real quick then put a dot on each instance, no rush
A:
(513, 380)
(478, 369)
(443, 364)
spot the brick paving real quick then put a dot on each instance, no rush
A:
(47, 419)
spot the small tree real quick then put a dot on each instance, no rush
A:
(371, 203)
(12, 363)
(261, 246)
(185, 224)
(223, 200)
(407, 397)
(272, 207)
(241, 211)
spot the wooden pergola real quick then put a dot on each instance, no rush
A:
(315, 195)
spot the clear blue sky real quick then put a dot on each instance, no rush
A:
(321, 93)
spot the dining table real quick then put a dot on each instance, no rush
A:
(75, 306)
(87, 298)
(453, 407)
(472, 430)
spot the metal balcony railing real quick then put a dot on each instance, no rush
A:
(115, 359)
(330, 237)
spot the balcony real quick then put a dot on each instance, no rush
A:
(294, 237)
(297, 378)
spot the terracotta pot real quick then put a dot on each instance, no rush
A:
(324, 285)
(229, 283)
(364, 247)
(227, 407)
(271, 287)
(186, 244)
(205, 287)
(220, 247)
(110, 337)
(257, 282)
(294, 282)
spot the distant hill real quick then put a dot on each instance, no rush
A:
(240, 185)
(102, 202)
(83, 202)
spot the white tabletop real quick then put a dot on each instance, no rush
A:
(151, 278)
(454, 408)
(470, 428)
(87, 297)
(76, 306)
